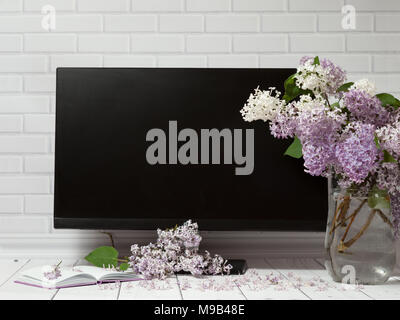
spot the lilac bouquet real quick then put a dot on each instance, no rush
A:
(176, 250)
(344, 130)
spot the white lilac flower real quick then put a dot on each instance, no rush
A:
(364, 85)
(262, 105)
(323, 78)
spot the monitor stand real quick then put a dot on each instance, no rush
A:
(239, 266)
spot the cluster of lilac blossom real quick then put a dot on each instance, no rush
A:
(52, 272)
(176, 250)
(354, 139)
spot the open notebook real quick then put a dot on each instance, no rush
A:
(74, 277)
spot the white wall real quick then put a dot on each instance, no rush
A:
(159, 33)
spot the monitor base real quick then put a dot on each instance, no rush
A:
(239, 266)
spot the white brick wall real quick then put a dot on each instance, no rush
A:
(164, 33)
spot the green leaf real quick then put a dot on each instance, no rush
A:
(295, 150)
(378, 199)
(388, 100)
(123, 266)
(292, 91)
(335, 105)
(316, 61)
(387, 157)
(103, 256)
(376, 139)
(345, 87)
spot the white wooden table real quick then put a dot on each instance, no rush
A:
(300, 279)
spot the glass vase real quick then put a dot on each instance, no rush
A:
(359, 241)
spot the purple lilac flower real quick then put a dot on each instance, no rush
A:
(53, 274)
(175, 250)
(366, 108)
(336, 75)
(357, 154)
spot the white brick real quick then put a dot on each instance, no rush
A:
(333, 22)
(316, 5)
(10, 123)
(317, 43)
(24, 104)
(138, 23)
(104, 43)
(238, 23)
(288, 23)
(10, 84)
(157, 5)
(39, 204)
(103, 5)
(21, 23)
(129, 61)
(39, 164)
(351, 63)
(10, 43)
(22, 63)
(375, 5)
(373, 42)
(24, 224)
(10, 5)
(181, 23)
(50, 42)
(208, 43)
(11, 204)
(40, 83)
(384, 82)
(175, 61)
(208, 5)
(39, 123)
(59, 5)
(10, 164)
(21, 185)
(388, 22)
(260, 43)
(78, 23)
(233, 61)
(23, 144)
(75, 60)
(259, 5)
(157, 43)
(387, 63)
(279, 61)
(52, 143)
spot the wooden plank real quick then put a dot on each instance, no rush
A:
(8, 267)
(167, 289)
(261, 282)
(390, 290)
(10, 290)
(96, 292)
(209, 288)
(313, 280)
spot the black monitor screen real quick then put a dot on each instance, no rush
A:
(142, 148)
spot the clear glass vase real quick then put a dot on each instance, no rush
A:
(359, 241)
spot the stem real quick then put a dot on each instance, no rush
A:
(348, 244)
(384, 218)
(122, 260)
(352, 219)
(110, 236)
(343, 207)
